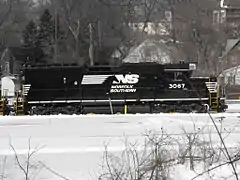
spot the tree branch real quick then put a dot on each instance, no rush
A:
(5, 15)
(52, 171)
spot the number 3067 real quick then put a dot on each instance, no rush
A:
(176, 86)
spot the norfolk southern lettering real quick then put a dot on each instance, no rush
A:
(122, 89)
(127, 82)
(127, 79)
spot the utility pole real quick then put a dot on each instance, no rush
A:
(91, 46)
(99, 34)
(55, 30)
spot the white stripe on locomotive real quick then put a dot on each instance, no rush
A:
(116, 100)
(94, 79)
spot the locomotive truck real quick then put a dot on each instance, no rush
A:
(127, 88)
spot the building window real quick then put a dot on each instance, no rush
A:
(216, 17)
(7, 67)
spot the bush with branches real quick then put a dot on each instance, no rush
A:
(162, 153)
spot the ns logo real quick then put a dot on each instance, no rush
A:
(127, 79)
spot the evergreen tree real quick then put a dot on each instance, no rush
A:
(46, 33)
(31, 43)
(47, 36)
(30, 35)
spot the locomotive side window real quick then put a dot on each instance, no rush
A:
(178, 76)
(175, 76)
(175, 80)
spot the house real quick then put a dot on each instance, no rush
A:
(13, 58)
(232, 82)
(11, 62)
(232, 8)
(231, 3)
(230, 62)
(231, 55)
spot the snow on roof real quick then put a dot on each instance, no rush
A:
(229, 3)
(222, 5)
(231, 43)
(150, 51)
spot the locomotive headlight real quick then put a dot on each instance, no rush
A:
(192, 66)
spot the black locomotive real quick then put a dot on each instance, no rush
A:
(128, 88)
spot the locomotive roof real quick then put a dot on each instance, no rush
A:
(181, 65)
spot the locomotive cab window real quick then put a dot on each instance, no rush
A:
(178, 76)
(175, 76)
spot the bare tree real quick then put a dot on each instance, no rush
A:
(27, 165)
(134, 17)
(158, 156)
(77, 15)
(95, 29)
(5, 10)
(13, 17)
(201, 36)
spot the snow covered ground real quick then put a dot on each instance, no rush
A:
(73, 146)
(234, 107)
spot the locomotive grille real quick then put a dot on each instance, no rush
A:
(26, 88)
(211, 86)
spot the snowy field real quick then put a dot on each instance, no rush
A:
(73, 146)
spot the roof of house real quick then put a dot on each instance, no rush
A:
(19, 53)
(231, 44)
(232, 3)
(150, 51)
(232, 69)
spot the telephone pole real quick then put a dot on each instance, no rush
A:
(55, 30)
(91, 46)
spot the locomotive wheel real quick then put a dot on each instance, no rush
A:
(159, 108)
(55, 110)
(201, 109)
